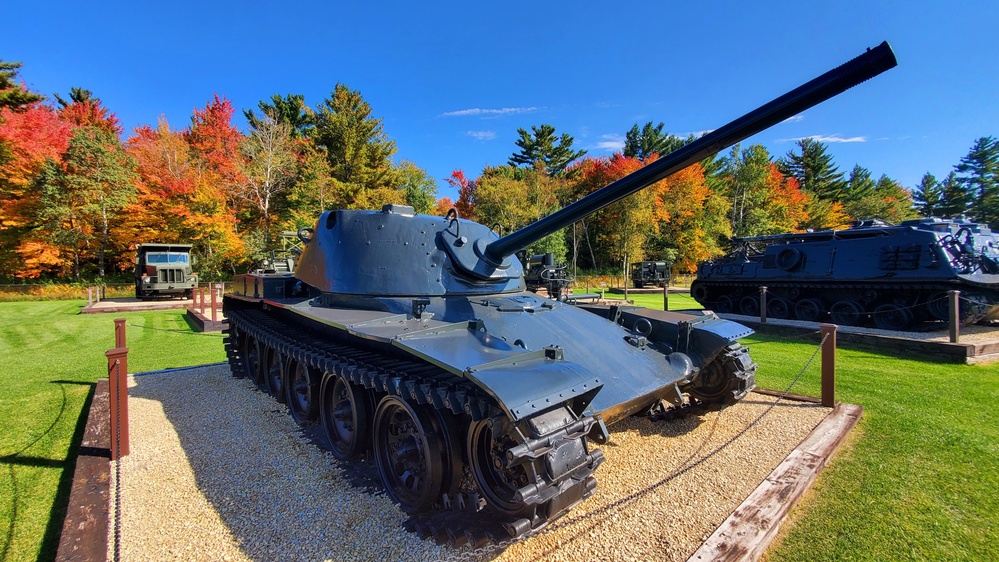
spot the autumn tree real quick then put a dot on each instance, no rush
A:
(216, 149)
(356, 147)
(13, 96)
(650, 140)
(84, 110)
(763, 200)
(79, 202)
(466, 193)
(542, 145)
(442, 206)
(32, 138)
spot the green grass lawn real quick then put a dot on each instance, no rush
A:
(919, 481)
(52, 356)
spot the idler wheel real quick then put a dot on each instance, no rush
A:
(810, 310)
(700, 292)
(274, 374)
(488, 442)
(779, 307)
(410, 453)
(750, 305)
(302, 392)
(345, 415)
(892, 317)
(847, 313)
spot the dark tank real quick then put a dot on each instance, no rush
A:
(891, 276)
(413, 337)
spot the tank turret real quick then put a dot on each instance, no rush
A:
(411, 340)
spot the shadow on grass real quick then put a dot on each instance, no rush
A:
(50, 540)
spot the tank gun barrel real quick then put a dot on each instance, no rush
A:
(868, 65)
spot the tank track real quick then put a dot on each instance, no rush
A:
(457, 518)
(976, 307)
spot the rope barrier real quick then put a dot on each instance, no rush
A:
(686, 466)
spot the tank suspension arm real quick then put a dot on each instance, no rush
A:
(866, 66)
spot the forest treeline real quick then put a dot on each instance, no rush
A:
(77, 194)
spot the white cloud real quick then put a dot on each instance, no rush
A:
(611, 143)
(827, 138)
(794, 118)
(478, 111)
(482, 135)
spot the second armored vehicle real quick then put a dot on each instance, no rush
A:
(889, 275)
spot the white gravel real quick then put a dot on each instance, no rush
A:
(219, 471)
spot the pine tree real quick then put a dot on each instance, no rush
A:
(542, 145)
(928, 196)
(651, 140)
(290, 110)
(978, 172)
(11, 93)
(955, 201)
(357, 149)
(814, 170)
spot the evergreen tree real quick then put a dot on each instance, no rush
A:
(290, 109)
(357, 149)
(650, 140)
(814, 170)
(542, 145)
(928, 196)
(978, 172)
(955, 201)
(11, 94)
(859, 184)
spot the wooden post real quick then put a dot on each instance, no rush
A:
(666, 296)
(955, 315)
(90, 298)
(763, 305)
(828, 364)
(119, 332)
(214, 302)
(201, 299)
(118, 390)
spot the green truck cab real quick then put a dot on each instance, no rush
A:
(164, 270)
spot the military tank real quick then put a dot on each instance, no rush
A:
(891, 276)
(413, 337)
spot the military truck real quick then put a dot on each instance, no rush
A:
(650, 273)
(164, 270)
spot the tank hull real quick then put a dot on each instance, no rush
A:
(888, 276)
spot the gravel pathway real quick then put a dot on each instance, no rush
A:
(219, 471)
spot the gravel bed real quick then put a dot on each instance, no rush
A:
(219, 471)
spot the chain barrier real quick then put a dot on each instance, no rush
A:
(117, 463)
(686, 466)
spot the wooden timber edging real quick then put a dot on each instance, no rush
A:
(891, 345)
(747, 533)
(84, 534)
(201, 323)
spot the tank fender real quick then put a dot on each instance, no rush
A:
(536, 381)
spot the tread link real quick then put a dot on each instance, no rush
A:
(449, 520)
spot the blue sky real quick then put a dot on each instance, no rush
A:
(453, 81)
